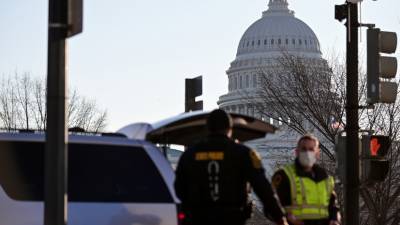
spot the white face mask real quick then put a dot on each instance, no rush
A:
(307, 158)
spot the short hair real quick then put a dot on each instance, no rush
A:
(309, 137)
(218, 121)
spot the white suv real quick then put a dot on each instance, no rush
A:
(111, 181)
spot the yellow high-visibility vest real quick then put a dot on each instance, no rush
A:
(310, 199)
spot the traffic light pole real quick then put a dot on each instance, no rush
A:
(55, 190)
(351, 191)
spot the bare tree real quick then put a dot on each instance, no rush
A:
(84, 113)
(305, 95)
(23, 106)
(309, 95)
(9, 110)
(39, 104)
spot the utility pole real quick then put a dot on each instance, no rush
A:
(352, 192)
(65, 20)
(351, 182)
(56, 196)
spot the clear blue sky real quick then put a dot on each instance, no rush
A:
(133, 56)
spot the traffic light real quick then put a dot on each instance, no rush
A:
(75, 17)
(374, 164)
(340, 150)
(381, 68)
(193, 88)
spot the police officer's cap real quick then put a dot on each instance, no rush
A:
(219, 120)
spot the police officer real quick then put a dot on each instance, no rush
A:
(305, 189)
(212, 179)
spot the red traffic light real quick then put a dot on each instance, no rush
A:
(374, 164)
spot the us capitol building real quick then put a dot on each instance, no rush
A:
(259, 48)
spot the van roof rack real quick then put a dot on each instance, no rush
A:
(72, 130)
(113, 135)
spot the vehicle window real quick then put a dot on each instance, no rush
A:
(97, 173)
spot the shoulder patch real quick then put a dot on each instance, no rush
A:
(255, 159)
(214, 155)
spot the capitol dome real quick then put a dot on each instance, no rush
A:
(278, 30)
(276, 33)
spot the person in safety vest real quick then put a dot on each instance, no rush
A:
(213, 177)
(305, 189)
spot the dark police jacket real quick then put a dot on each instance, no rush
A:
(281, 183)
(212, 181)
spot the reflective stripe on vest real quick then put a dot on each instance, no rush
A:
(310, 199)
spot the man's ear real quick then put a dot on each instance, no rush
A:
(318, 154)
(229, 132)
